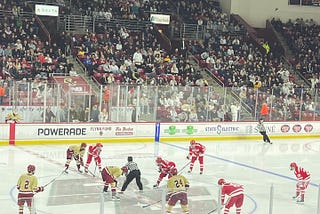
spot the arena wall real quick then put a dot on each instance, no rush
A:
(25, 134)
(256, 12)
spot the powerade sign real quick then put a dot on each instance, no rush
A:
(219, 129)
(62, 132)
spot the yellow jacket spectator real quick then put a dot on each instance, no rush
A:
(13, 117)
(266, 47)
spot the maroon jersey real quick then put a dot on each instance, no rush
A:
(196, 149)
(231, 189)
(301, 174)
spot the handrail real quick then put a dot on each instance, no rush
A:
(44, 29)
(82, 65)
(295, 71)
(251, 31)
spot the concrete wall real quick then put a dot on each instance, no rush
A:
(226, 6)
(256, 12)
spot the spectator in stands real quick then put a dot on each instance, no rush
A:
(94, 114)
(264, 111)
(73, 114)
(2, 93)
(48, 115)
(103, 116)
(234, 109)
(62, 113)
(137, 58)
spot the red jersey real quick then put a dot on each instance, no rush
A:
(231, 189)
(94, 151)
(301, 174)
(165, 166)
(196, 149)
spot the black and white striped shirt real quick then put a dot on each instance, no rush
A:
(261, 127)
(132, 166)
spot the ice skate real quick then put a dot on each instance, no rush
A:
(300, 200)
(115, 198)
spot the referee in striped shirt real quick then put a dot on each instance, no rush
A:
(133, 174)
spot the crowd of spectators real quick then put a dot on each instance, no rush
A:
(26, 59)
(303, 38)
(121, 56)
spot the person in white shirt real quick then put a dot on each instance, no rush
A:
(137, 58)
(234, 111)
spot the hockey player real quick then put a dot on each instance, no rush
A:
(76, 152)
(196, 151)
(27, 186)
(133, 174)
(164, 169)
(303, 177)
(94, 152)
(262, 130)
(177, 191)
(109, 176)
(235, 193)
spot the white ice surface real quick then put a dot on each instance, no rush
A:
(256, 165)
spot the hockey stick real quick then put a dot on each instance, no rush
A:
(212, 211)
(91, 173)
(180, 171)
(95, 168)
(54, 179)
(148, 205)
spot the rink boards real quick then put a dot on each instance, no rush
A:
(148, 132)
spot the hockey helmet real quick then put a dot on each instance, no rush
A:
(192, 142)
(158, 160)
(83, 145)
(99, 145)
(221, 181)
(31, 168)
(293, 165)
(124, 169)
(173, 171)
(130, 159)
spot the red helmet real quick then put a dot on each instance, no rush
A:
(173, 171)
(31, 168)
(158, 160)
(293, 165)
(124, 169)
(83, 145)
(192, 142)
(221, 181)
(99, 145)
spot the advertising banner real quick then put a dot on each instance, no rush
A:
(46, 10)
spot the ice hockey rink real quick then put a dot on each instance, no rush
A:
(256, 165)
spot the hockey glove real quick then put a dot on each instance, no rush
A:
(168, 196)
(40, 189)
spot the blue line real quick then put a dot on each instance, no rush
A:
(244, 165)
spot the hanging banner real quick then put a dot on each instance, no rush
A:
(160, 19)
(46, 10)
